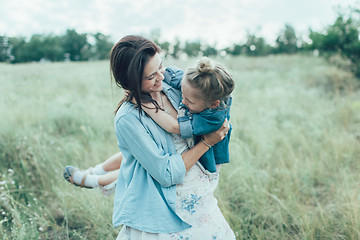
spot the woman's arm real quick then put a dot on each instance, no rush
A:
(166, 169)
(193, 155)
(137, 143)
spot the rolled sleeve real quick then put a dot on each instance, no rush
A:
(185, 124)
(177, 169)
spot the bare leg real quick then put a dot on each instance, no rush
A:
(113, 162)
(108, 178)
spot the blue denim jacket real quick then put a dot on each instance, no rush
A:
(197, 124)
(145, 194)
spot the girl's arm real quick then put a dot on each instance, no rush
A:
(163, 119)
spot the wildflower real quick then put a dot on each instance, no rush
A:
(11, 171)
(2, 183)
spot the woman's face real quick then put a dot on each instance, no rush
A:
(191, 97)
(153, 75)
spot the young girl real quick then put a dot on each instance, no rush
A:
(205, 105)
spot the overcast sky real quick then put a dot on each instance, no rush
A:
(215, 21)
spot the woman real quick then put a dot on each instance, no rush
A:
(154, 196)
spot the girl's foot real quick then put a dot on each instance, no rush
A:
(80, 178)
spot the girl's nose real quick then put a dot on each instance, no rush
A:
(183, 101)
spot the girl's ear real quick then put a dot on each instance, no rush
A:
(215, 104)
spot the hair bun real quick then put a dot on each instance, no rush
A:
(205, 65)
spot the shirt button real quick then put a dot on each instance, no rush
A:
(173, 74)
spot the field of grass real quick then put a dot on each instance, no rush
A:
(295, 149)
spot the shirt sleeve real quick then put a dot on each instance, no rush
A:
(166, 169)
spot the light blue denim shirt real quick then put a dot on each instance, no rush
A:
(145, 194)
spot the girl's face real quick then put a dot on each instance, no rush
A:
(191, 97)
(153, 75)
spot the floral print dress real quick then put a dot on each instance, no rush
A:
(195, 204)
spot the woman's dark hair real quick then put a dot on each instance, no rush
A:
(128, 59)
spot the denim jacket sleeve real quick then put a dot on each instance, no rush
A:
(184, 120)
(200, 123)
(138, 141)
(173, 77)
(208, 121)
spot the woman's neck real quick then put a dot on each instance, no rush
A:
(156, 96)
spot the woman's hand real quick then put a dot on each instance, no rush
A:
(217, 136)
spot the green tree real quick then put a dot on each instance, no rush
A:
(165, 47)
(286, 42)
(17, 49)
(4, 49)
(209, 51)
(256, 46)
(102, 46)
(175, 48)
(234, 50)
(342, 37)
(76, 46)
(33, 50)
(52, 48)
(192, 49)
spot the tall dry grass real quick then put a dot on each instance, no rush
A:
(295, 149)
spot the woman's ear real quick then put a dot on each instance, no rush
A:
(215, 104)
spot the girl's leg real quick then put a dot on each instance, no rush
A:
(110, 164)
(108, 178)
(79, 178)
(93, 177)
(113, 162)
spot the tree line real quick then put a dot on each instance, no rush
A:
(71, 46)
(341, 37)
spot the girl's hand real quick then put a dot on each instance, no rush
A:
(217, 136)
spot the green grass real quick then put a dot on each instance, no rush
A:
(295, 149)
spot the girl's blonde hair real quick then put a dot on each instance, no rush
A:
(212, 79)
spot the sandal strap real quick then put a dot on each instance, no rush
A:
(83, 180)
(71, 179)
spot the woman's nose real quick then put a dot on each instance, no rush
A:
(161, 75)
